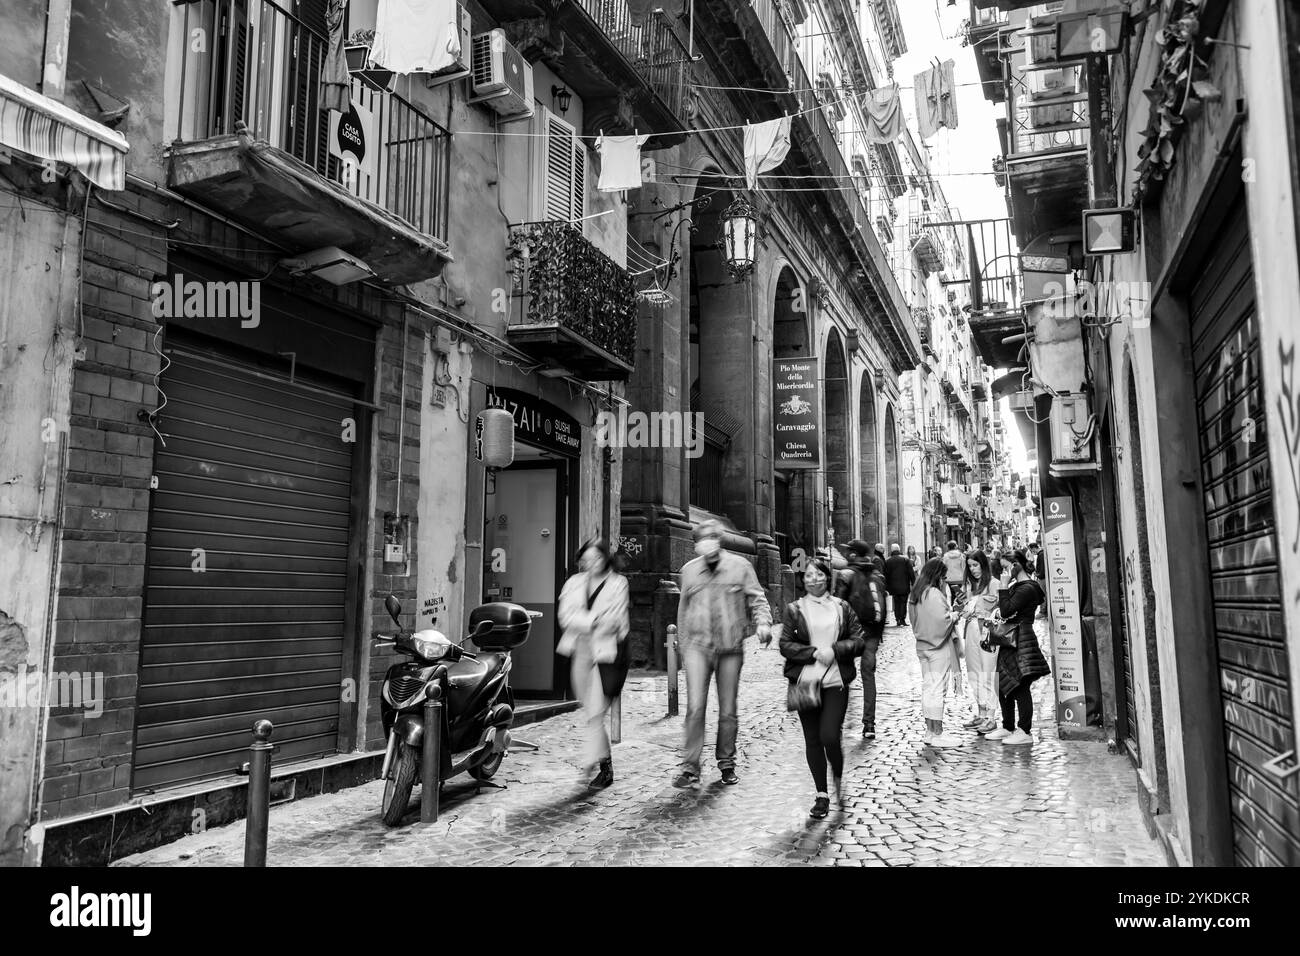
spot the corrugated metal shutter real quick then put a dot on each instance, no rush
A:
(255, 474)
(1249, 634)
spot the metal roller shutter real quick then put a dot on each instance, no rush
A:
(254, 473)
(1243, 560)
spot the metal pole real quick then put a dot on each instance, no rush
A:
(259, 795)
(616, 720)
(671, 645)
(431, 758)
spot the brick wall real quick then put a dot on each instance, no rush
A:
(105, 510)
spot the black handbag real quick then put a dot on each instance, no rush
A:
(1002, 633)
(614, 674)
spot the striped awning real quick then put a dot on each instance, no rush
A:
(44, 128)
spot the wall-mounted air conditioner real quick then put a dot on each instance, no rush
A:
(501, 78)
(463, 40)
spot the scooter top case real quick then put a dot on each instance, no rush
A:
(510, 625)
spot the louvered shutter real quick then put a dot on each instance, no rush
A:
(564, 175)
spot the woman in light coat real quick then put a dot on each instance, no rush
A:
(934, 625)
(981, 665)
(593, 612)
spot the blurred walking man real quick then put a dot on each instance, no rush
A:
(720, 598)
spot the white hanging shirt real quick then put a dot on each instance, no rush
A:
(415, 36)
(620, 162)
(766, 146)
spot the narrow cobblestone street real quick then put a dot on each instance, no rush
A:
(1055, 803)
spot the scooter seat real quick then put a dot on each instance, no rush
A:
(466, 675)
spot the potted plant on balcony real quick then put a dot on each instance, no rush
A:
(357, 51)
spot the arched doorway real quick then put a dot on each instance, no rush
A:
(868, 462)
(893, 509)
(718, 308)
(835, 416)
(794, 519)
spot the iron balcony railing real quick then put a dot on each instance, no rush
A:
(566, 281)
(262, 67)
(652, 49)
(1043, 118)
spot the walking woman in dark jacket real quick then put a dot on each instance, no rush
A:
(820, 637)
(1019, 666)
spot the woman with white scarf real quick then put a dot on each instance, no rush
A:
(593, 612)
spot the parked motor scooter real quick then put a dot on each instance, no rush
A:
(478, 704)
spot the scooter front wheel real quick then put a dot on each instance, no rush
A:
(397, 788)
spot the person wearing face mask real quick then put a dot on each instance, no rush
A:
(820, 637)
(721, 598)
(593, 611)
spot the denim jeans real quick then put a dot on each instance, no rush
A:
(701, 666)
(869, 682)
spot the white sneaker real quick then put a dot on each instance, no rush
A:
(1019, 737)
(943, 741)
(998, 734)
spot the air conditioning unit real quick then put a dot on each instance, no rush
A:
(461, 64)
(501, 78)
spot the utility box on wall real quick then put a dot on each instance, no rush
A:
(1072, 428)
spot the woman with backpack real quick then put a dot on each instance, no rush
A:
(981, 664)
(820, 636)
(1022, 664)
(593, 611)
(934, 622)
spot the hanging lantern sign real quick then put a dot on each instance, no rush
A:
(739, 238)
(495, 438)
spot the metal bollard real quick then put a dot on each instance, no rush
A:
(258, 817)
(616, 720)
(431, 758)
(671, 646)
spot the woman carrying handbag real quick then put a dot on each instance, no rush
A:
(934, 625)
(593, 611)
(1020, 659)
(820, 637)
(981, 661)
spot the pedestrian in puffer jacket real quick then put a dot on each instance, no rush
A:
(1019, 666)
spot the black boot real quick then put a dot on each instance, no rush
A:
(605, 777)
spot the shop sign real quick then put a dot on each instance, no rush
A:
(537, 422)
(795, 403)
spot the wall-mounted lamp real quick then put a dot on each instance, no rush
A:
(562, 97)
(739, 238)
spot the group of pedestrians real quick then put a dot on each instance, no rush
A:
(976, 606)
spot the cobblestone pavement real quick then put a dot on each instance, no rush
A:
(1054, 804)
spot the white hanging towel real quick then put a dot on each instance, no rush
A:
(884, 114)
(415, 36)
(620, 162)
(766, 146)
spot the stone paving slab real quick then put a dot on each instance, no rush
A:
(1056, 803)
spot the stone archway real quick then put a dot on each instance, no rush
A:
(836, 421)
(893, 508)
(868, 462)
(794, 521)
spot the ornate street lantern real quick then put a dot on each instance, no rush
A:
(739, 240)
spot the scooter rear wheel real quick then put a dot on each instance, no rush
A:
(488, 768)
(397, 788)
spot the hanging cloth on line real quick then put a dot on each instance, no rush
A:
(620, 162)
(335, 81)
(415, 36)
(936, 98)
(884, 114)
(766, 146)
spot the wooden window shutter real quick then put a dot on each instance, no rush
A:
(564, 174)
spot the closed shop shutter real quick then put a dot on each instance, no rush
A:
(1243, 560)
(255, 474)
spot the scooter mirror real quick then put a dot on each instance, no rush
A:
(394, 608)
(480, 629)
